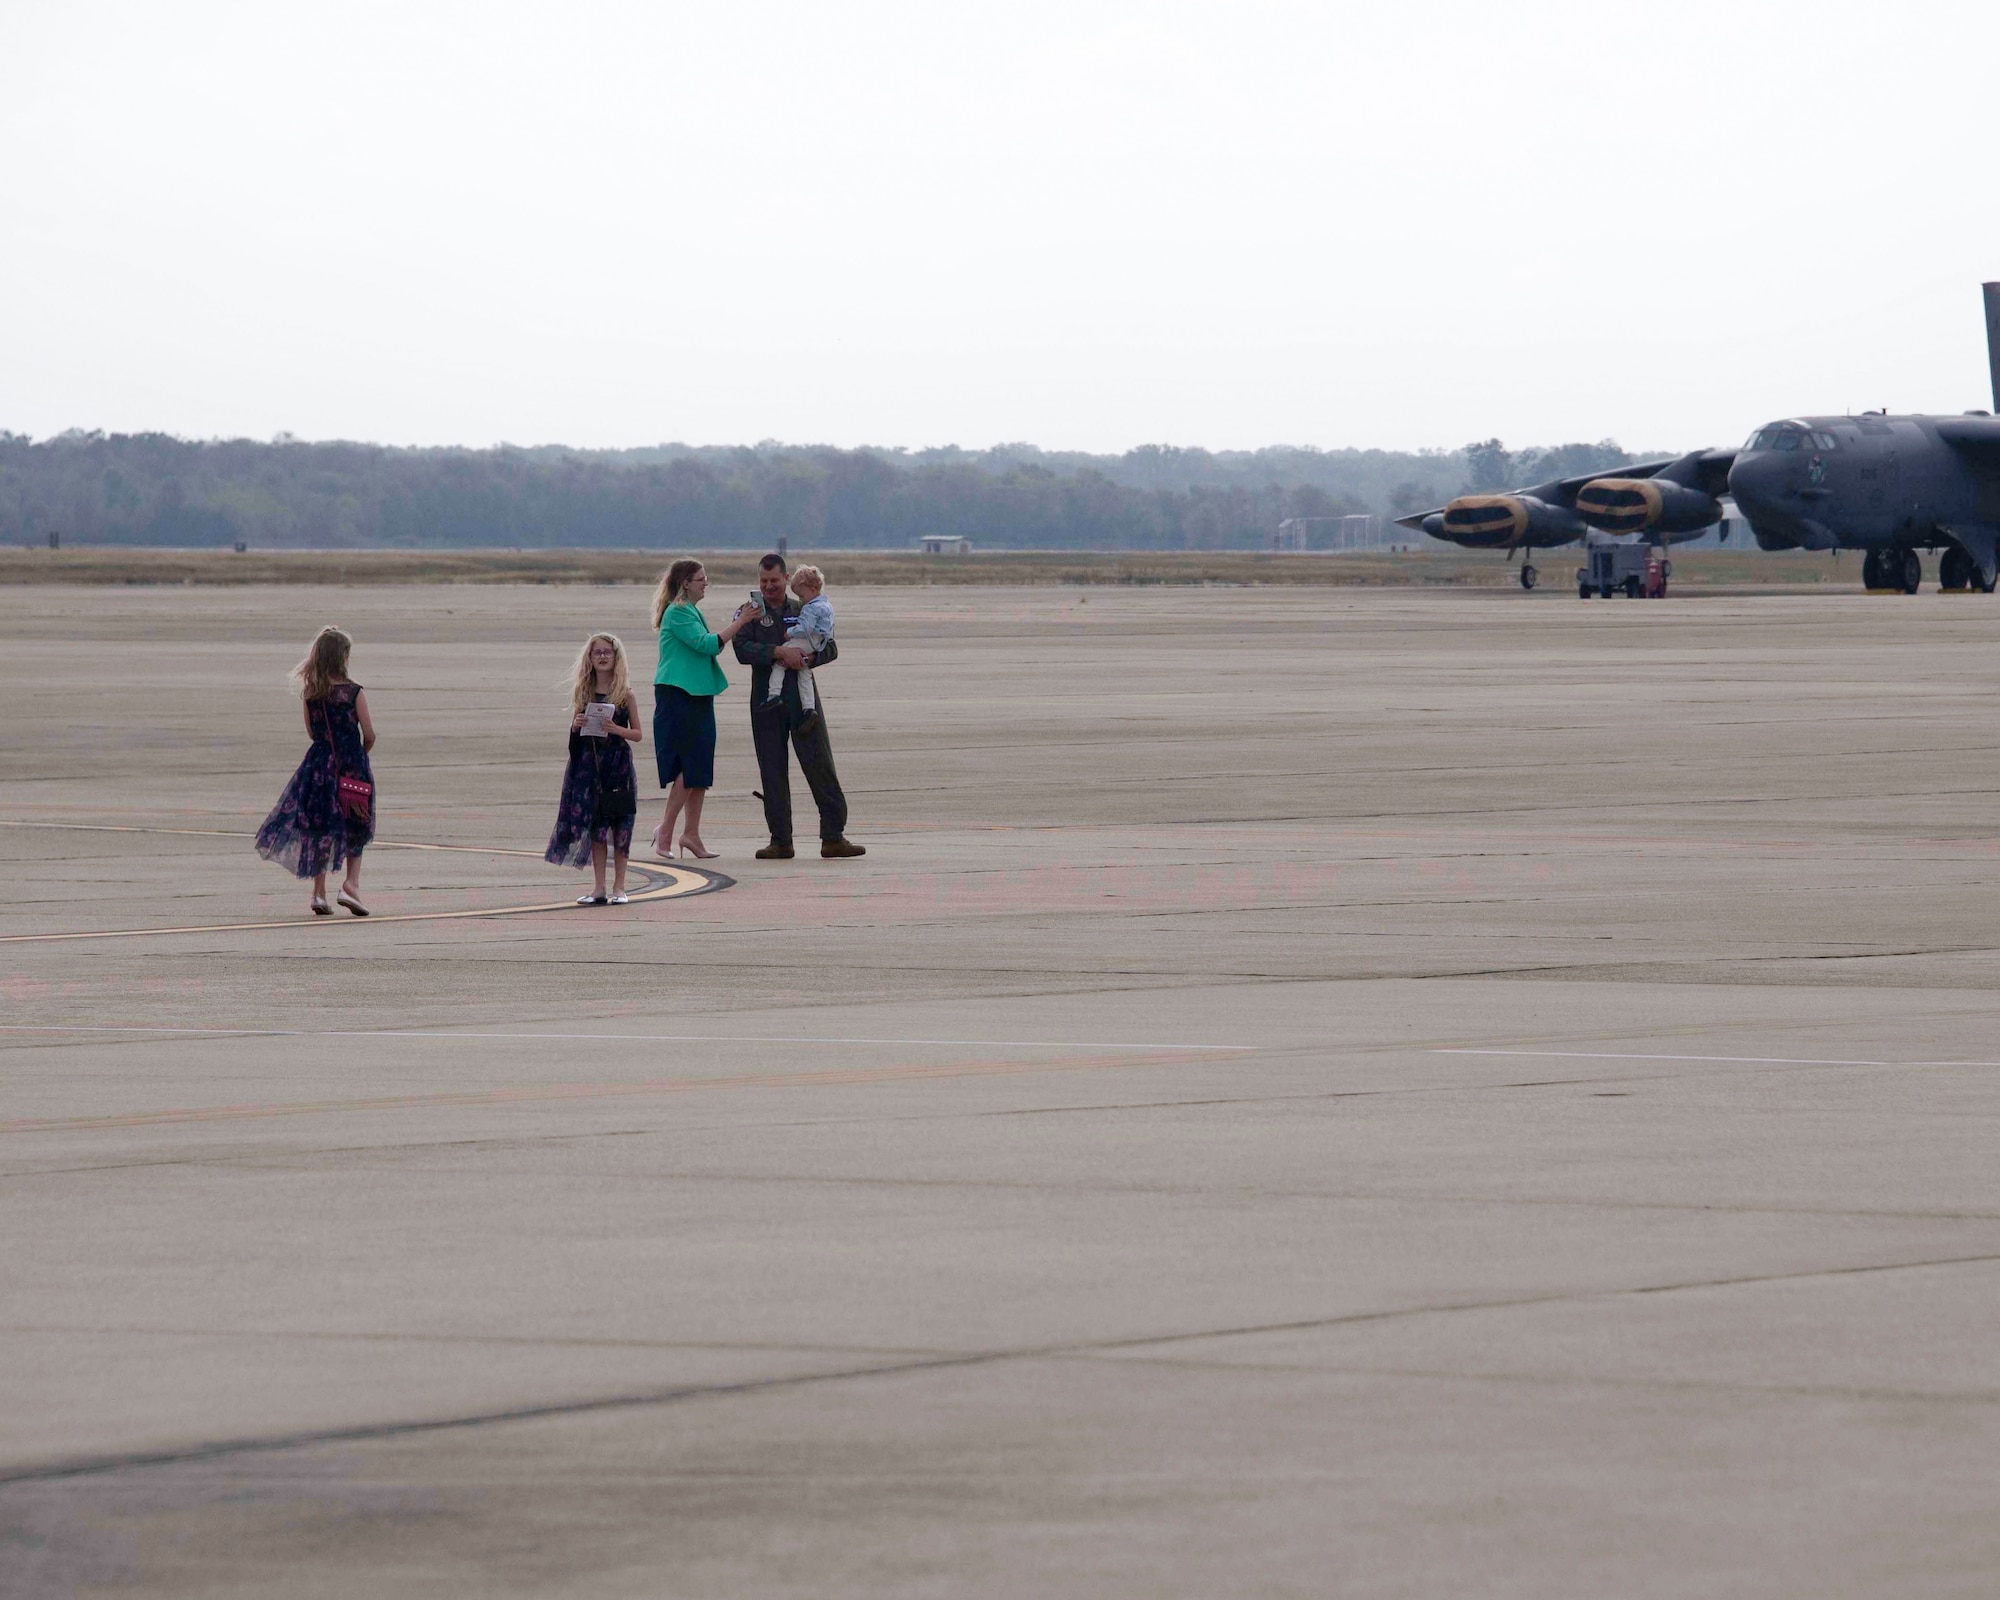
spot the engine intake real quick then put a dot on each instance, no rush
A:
(1645, 505)
(1504, 520)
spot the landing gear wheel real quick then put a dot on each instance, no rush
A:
(1982, 584)
(1872, 576)
(1528, 575)
(1955, 569)
(1631, 588)
(1910, 573)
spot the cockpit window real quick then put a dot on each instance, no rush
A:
(1789, 438)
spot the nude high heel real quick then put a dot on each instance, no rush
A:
(696, 851)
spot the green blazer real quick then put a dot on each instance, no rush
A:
(688, 651)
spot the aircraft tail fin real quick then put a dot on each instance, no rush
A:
(1993, 339)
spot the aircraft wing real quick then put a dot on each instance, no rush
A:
(1684, 497)
(1565, 489)
(1977, 439)
(1560, 491)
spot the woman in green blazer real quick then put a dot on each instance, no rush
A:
(685, 685)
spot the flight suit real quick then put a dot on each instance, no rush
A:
(773, 723)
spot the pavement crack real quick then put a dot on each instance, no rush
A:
(369, 1433)
(1310, 1324)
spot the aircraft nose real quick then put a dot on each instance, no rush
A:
(1758, 478)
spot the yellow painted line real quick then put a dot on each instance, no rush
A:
(107, 827)
(845, 1077)
(238, 833)
(662, 882)
(434, 1036)
(1746, 1061)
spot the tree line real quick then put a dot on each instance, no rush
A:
(156, 489)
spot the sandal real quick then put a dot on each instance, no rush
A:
(592, 900)
(618, 899)
(351, 903)
(319, 906)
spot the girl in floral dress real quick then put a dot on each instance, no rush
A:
(310, 831)
(600, 792)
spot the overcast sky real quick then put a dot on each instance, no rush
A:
(1084, 224)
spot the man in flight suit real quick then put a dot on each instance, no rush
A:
(761, 646)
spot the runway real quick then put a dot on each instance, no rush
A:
(1357, 1093)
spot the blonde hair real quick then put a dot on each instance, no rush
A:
(673, 583)
(326, 659)
(584, 683)
(811, 575)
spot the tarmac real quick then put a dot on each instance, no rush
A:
(1310, 1093)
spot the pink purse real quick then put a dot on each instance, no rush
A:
(357, 795)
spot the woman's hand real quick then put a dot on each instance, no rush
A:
(576, 722)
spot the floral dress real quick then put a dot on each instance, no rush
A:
(593, 764)
(307, 832)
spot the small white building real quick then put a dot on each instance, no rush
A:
(944, 544)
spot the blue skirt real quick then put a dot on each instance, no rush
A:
(684, 736)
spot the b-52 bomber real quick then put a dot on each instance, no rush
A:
(1886, 485)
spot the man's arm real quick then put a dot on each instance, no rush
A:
(795, 653)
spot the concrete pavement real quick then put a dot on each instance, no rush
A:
(1375, 1094)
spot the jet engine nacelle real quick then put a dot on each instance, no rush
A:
(1646, 505)
(1506, 520)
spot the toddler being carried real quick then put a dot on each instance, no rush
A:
(812, 629)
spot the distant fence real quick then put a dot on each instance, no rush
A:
(1328, 533)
